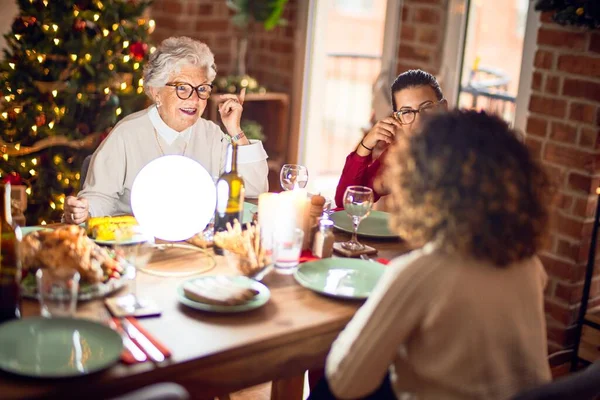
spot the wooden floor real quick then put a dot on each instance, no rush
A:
(260, 392)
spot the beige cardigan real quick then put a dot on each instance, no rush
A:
(446, 327)
(133, 143)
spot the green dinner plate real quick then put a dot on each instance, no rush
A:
(28, 229)
(133, 240)
(375, 225)
(340, 277)
(258, 301)
(57, 347)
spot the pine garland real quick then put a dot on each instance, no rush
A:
(585, 13)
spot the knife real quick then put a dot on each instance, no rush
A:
(133, 349)
(149, 348)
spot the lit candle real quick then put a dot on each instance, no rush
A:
(268, 204)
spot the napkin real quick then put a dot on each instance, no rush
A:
(126, 356)
(307, 256)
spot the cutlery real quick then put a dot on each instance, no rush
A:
(366, 258)
(147, 346)
(135, 351)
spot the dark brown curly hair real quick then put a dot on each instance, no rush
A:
(467, 181)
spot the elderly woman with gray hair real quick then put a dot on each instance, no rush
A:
(178, 78)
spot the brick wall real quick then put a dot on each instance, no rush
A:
(422, 35)
(270, 54)
(563, 129)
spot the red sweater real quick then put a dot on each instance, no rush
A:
(358, 170)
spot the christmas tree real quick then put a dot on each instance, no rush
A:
(572, 12)
(72, 69)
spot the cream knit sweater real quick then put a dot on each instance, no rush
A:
(446, 327)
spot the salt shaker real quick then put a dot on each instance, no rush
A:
(316, 210)
(324, 238)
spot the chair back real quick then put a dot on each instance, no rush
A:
(582, 385)
(84, 170)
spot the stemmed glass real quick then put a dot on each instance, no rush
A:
(358, 201)
(293, 176)
(133, 256)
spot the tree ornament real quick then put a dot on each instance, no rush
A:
(13, 178)
(83, 128)
(19, 26)
(138, 50)
(79, 25)
(40, 119)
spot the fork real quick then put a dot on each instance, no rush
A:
(366, 258)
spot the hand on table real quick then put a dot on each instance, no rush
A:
(76, 210)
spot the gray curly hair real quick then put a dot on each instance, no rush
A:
(171, 55)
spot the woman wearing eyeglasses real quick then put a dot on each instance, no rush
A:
(414, 92)
(178, 78)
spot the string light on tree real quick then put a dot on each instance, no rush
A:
(72, 95)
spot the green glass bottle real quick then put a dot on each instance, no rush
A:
(230, 195)
(10, 263)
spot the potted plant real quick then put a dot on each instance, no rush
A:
(266, 12)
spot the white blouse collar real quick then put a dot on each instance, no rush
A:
(168, 134)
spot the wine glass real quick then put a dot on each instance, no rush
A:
(293, 176)
(358, 201)
(133, 256)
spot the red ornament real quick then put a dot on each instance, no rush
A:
(29, 20)
(79, 25)
(40, 119)
(138, 50)
(13, 178)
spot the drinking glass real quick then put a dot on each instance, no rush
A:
(287, 249)
(133, 256)
(208, 233)
(293, 176)
(57, 290)
(358, 201)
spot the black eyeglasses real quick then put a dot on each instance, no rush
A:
(185, 90)
(407, 116)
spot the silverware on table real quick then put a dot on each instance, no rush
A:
(366, 258)
(147, 346)
(133, 348)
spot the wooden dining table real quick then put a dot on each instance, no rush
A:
(214, 354)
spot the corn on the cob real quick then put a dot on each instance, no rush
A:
(104, 228)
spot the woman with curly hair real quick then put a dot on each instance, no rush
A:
(461, 317)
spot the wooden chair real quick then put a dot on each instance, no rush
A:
(159, 391)
(85, 166)
(582, 385)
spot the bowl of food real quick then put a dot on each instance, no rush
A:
(244, 249)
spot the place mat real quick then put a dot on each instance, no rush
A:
(165, 269)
